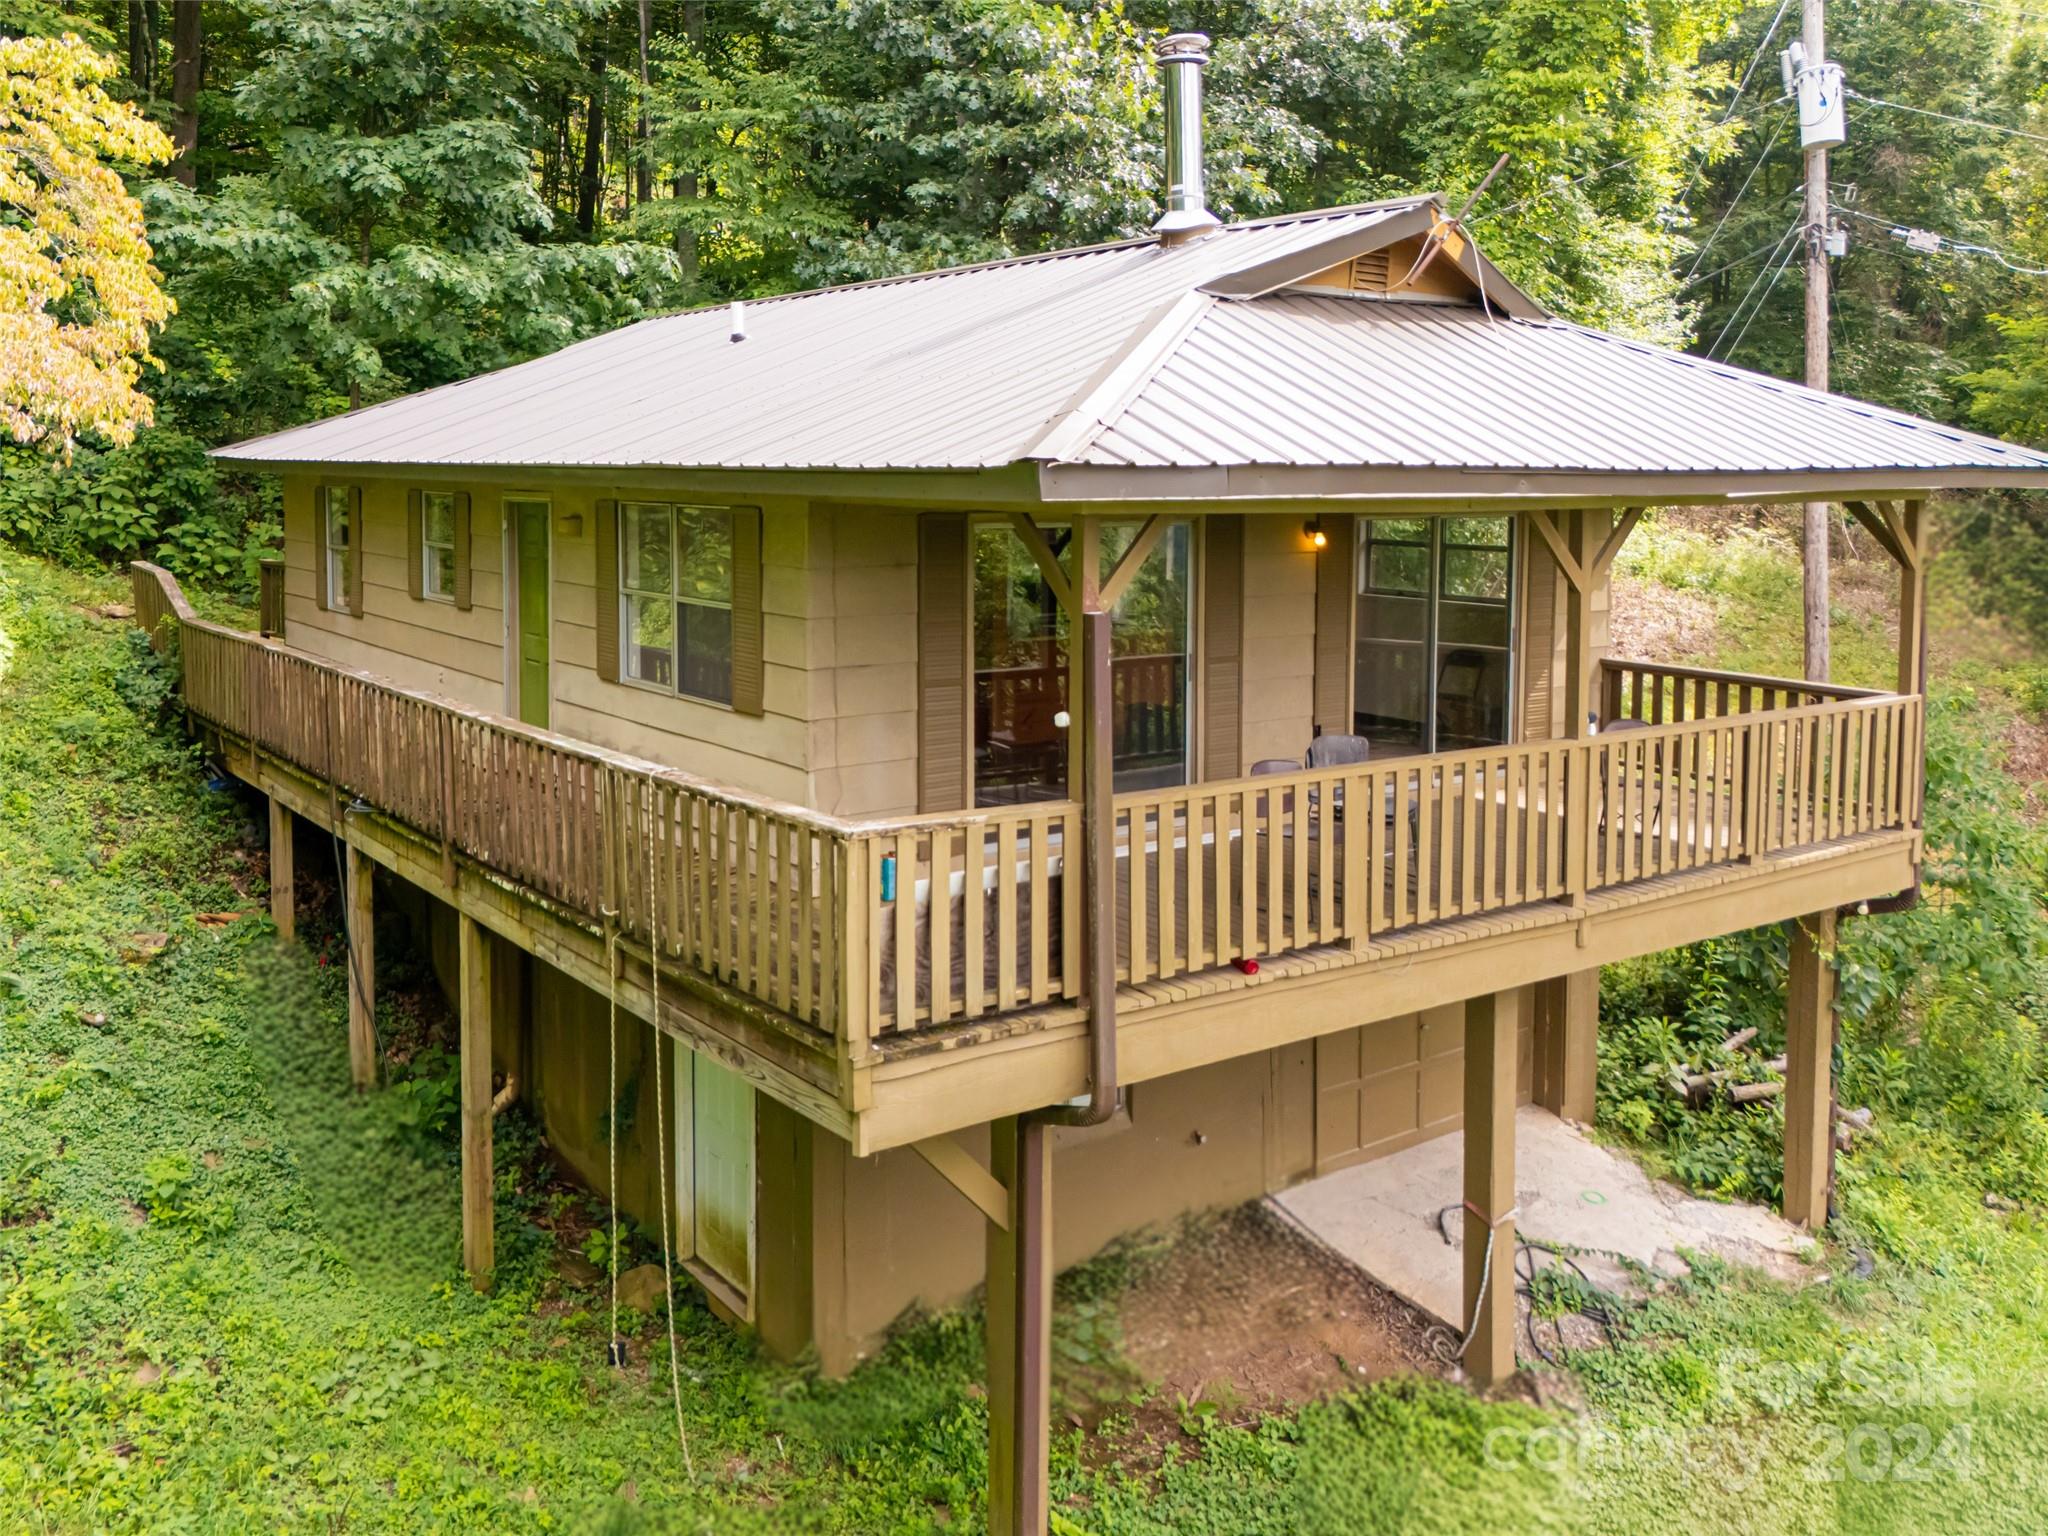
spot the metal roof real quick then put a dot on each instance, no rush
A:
(1143, 359)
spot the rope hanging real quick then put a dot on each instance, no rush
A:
(675, 1378)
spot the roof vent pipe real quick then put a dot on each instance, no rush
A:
(1181, 58)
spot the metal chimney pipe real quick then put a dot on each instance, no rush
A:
(1181, 58)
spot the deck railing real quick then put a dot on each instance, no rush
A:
(866, 931)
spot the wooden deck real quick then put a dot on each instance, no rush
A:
(869, 943)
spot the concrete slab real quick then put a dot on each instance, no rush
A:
(1571, 1191)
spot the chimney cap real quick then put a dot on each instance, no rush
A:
(1182, 48)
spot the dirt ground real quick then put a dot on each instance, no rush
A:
(1249, 1313)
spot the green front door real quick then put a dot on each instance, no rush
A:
(529, 521)
(722, 1123)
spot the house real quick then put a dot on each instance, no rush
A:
(1056, 743)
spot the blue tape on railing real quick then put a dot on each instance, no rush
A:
(889, 878)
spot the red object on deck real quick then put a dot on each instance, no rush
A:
(1249, 967)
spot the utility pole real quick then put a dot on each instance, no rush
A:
(1815, 541)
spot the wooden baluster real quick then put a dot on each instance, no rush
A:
(1403, 909)
(1199, 950)
(941, 924)
(1300, 933)
(1006, 906)
(1134, 964)
(1040, 919)
(903, 848)
(1246, 812)
(1172, 855)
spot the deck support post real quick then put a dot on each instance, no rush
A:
(479, 1247)
(1567, 1027)
(1020, 1331)
(1809, 1071)
(359, 916)
(1491, 1021)
(283, 876)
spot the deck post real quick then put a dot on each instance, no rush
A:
(1020, 1331)
(359, 915)
(1809, 1075)
(1567, 1027)
(1489, 1313)
(283, 878)
(1912, 600)
(477, 1003)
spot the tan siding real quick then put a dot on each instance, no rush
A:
(864, 661)
(942, 719)
(1279, 639)
(1222, 630)
(461, 653)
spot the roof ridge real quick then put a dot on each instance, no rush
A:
(1094, 407)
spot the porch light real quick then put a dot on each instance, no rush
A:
(1312, 530)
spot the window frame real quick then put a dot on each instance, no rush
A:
(337, 561)
(1437, 544)
(429, 549)
(625, 511)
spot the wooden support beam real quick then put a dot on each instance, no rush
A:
(1048, 563)
(1912, 599)
(479, 1241)
(1490, 1031)
(1567, 1030)
(284, 906)
(952, 1162)
(1809, 1070)
(1616, 537)
(359, 915)
(1133, 559)
(1879, 527)
(1546, 524)
(1020, 1332)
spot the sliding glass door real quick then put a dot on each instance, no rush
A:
(1435, 633)
(1023, 661)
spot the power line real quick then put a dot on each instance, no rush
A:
(1994, 10)
(1791, 250)
(1901, 231)
(1785, 243)
(1949, 117)
(1756, 58)
(1601, 170)
(1709, 276)
(1757, 165)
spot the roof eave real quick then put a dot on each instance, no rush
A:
(1368, 485)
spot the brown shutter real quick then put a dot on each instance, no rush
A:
(356, 550)
(320, 548)
(942, 730)
(462, 549)
(608, 589)
(1223, 645)
(746, 611)
(415, 539)
(1336, 605)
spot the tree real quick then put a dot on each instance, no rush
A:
(395, 238)
(78, 295)
(186, 39)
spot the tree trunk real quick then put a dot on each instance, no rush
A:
(590, 184)
(643, 165)
(686, 181)
(141, 48)
(186, 35)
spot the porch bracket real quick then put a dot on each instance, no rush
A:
(1133, 558)
(1546, 524)
(1616, 537)
(1048, 563)
(951, 1162)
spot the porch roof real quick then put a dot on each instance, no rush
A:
(1144, 369)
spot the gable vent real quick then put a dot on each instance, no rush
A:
(1370, 273)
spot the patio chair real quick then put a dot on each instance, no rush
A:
(1651, 827)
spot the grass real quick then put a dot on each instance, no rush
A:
(230, 1297)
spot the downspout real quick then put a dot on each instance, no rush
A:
(1098, 837)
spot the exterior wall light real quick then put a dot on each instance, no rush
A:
(1312, 530)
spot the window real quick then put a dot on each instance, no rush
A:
(1022, 658)
(675, 586)
(1435, 603)
(437, 545)
(340, 563)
